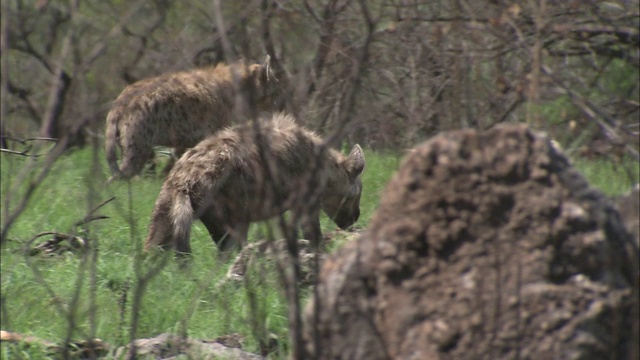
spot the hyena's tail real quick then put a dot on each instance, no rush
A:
(170, 225)
(181, 217)
(111, 141)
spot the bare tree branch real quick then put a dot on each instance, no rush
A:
(609, 125)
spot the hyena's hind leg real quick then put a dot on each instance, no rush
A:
(227, 238)
(137, 151)
(310, 224)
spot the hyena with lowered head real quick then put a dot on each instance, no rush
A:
(179, 109)
(254, 172)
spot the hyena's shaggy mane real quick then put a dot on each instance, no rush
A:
(230, 148)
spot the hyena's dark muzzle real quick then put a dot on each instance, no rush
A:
(343, 211)
(345, 219)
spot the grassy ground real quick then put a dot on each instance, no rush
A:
(613, 178)
(41, 295)
(93, 293)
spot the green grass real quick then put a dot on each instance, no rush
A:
(41, 295)
(613, 178)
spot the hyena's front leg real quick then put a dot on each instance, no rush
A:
(311, 226)
(213, 225)
(236, 239)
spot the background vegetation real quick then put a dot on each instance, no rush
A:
(387, 74)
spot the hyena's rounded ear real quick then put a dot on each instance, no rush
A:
(267, 62)
(268, 69)
(355, 161)
(262, 71)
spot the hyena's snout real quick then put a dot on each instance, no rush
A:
(344, 216)
(345, 221)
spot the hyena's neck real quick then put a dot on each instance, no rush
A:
(333, 165)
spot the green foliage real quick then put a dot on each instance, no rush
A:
(620, 78)
(24, 351)
(613, 178)
(557, 111)
(380, 167)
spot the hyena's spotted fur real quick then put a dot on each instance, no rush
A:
(253, 172)
(179, 109)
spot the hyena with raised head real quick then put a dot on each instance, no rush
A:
(254, 172)
(179, 109)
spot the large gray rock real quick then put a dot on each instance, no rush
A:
(485, 246)
(169, 347)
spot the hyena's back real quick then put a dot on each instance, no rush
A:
(230, 165)
(178, 110)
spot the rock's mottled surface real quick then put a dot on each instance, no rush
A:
(485, 246)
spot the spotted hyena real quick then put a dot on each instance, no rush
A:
(179, 109)
(253, 172)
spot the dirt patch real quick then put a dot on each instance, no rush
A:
(485, 246)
